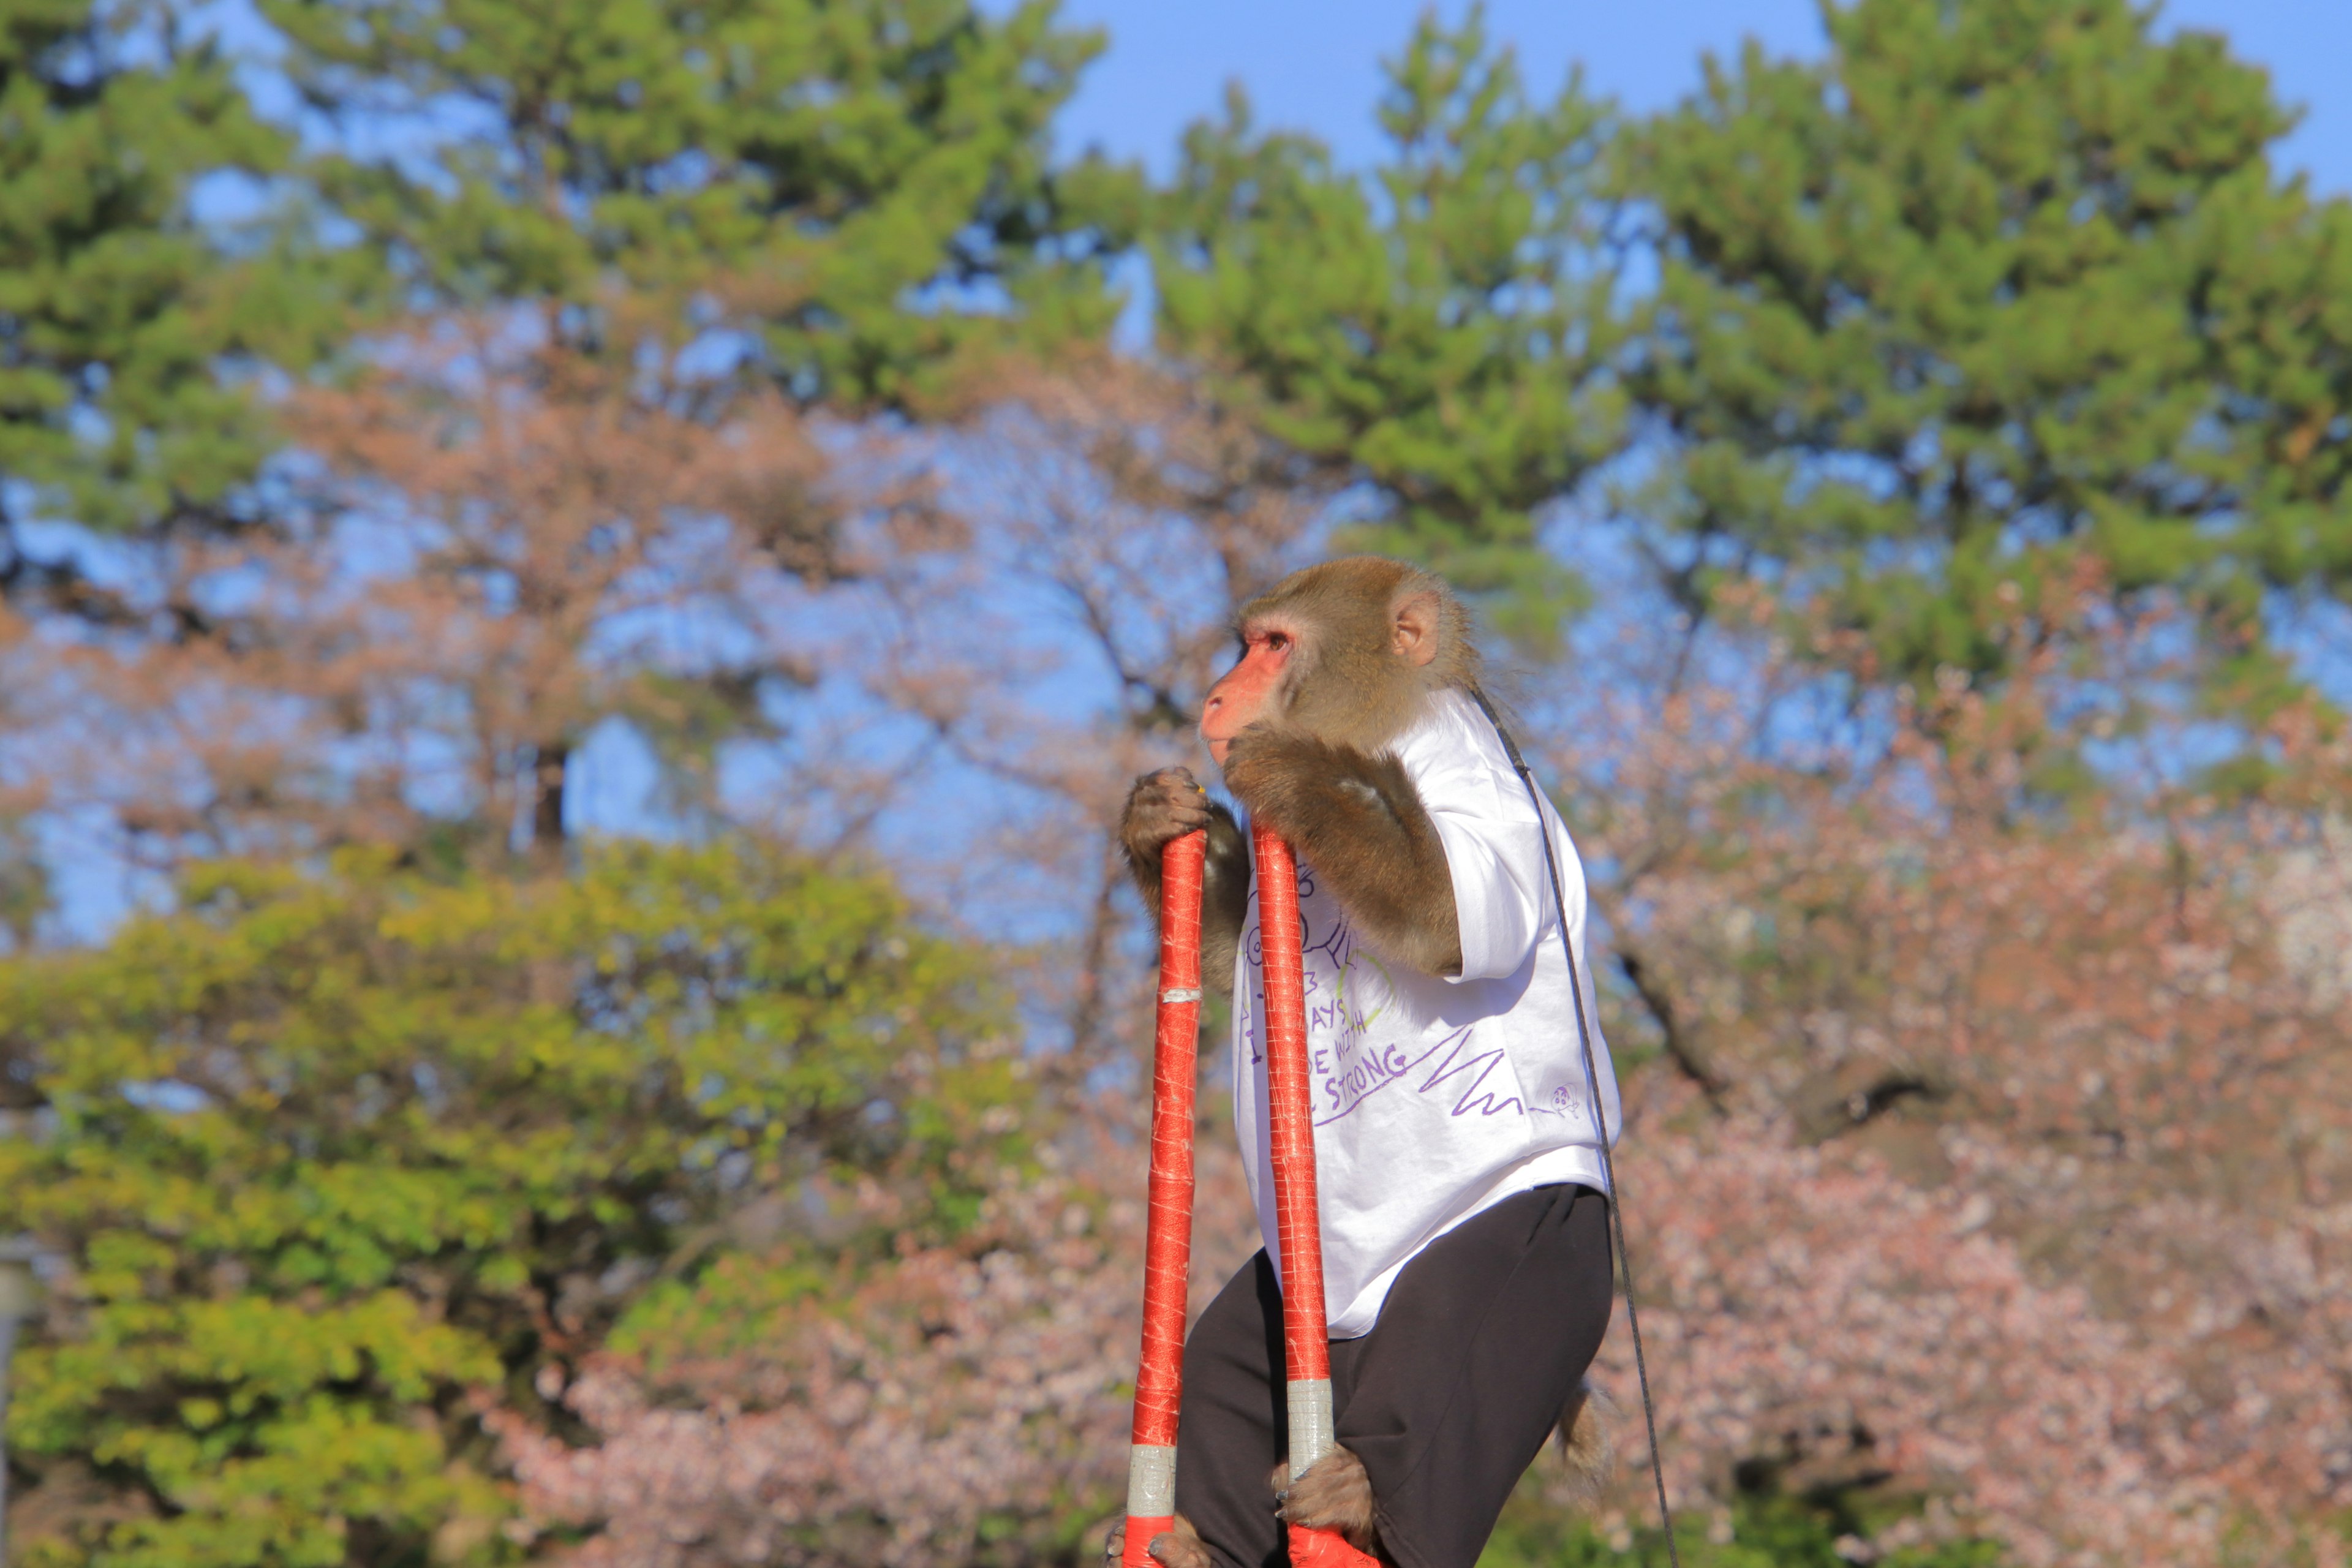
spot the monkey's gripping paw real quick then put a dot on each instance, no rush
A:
(1162, 807)
(1334, 1494)
(1177, 1548)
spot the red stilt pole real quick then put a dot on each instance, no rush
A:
(1306, 1338)
(1168, 1229)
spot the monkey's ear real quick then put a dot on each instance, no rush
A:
(1415, 629)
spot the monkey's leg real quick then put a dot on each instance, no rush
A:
(1359, 822)
(1234, 1425)
(1483, 1340)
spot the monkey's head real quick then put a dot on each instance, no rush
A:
(1349, 652)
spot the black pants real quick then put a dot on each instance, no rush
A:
(1447, 1401)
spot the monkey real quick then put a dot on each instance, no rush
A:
(1458, 1133)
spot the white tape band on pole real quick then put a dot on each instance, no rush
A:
(1150, 1480)
(1176, 994)
(1310, 1422)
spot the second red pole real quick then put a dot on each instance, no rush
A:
(1290, 1115)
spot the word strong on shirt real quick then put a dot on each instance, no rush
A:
(1435, 1097)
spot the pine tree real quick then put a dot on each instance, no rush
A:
(1443, 332)
(2000, 300)
(117, 309)
(855, 191)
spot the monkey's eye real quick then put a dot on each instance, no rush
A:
(1278, 641)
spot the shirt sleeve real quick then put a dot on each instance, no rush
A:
(1495, 857)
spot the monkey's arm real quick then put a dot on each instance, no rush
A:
(1166, 806)
(1358, 820)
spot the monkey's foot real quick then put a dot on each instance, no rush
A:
(1334, 1494)
(1177, 1548)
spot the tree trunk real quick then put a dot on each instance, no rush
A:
(552, 762)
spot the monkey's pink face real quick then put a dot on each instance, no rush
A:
(1252, 690)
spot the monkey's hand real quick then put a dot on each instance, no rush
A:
(1334, 1494)
(1177, 1548)
(1162, 806)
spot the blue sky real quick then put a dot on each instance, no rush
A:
(1314, 65)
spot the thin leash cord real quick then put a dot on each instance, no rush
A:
(1592, 1087)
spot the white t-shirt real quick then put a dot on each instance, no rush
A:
(1434, 1098)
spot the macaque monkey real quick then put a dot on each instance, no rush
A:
(1457, 1132)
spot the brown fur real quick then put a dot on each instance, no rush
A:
(1177, 1548)
(1320, 771)
(1358, 820)
(1588, 1441)
(1165, 805)
(1335, 1494)
(1318, 768)
(1348, 686)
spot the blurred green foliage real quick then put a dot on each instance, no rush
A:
(1444, 331)
(856, 189)
(845, 197)
(322, 1154)
(116, 312)
(1992, 293)
(1989, 294)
